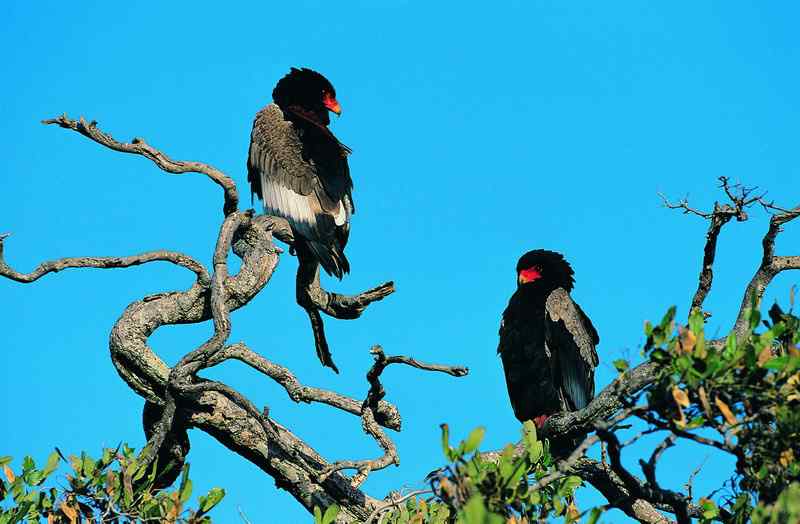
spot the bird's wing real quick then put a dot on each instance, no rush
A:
(303, 177)
(527, 360)
(514, 350)
(572, 340)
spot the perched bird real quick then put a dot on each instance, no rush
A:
(299, 170)
(547, 343)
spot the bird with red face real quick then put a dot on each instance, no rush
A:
(547, 343)
(299, 169)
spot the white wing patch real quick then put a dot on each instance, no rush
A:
(341, 215)
(284, 202)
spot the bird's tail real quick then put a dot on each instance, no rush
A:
(331, 257)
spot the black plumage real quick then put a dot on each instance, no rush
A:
(547, 343)
(299, 170)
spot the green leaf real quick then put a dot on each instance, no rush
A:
(696, 422)
(28, 465)
(568, 485)
(777, 363)
(594, 516)
(330, 514)
(317, 515)
(213, 498)
(34, 478)
(533, 445)
(696, 321)
(474, 511)
(52, 464)
(185, 488)
(446, 441)
(730, 346)
(5, 460)
(710, 510)
(669, 316)
(474, 440)
(621, 365)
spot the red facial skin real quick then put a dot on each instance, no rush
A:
(331, 103)
(540, 420)
(529, 275)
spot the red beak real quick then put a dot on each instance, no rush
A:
(529, 275)
(332, 104)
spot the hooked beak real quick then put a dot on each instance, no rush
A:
(528, 275)
(332, 105)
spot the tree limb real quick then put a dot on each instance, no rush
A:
(770, 267)
(610, 400)
(178, 399)
(54, 266)
(386, 414)
(369, 408)
(139, 147)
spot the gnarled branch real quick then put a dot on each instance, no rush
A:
(771, 265)
(177, 398)
(139, 147)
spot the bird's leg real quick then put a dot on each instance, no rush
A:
(307, 291)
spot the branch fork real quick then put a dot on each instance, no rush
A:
(178, 398)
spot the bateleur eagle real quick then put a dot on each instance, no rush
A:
(547, 343)
(299, 170)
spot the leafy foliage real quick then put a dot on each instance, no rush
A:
(115, 488)
(328, 516)
(522, 486)
(747, 392)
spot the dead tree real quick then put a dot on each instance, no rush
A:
(177, 398)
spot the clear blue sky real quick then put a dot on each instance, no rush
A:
(479, 131)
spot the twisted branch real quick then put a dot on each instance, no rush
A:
(386, 414)
(771, 265)
(650, 492)
(741, 198)
(178, 399)
(54, 266)
(370, 406)
(139, 147)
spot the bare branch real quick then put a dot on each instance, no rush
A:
(690, 481)
(192, 362)
(365, 467)
(770, 267)
(386, 414)
(671, 427)
(374, 396)
(183, 373)
(394, 503)
(139, 147)
(741, 198)
(603, 478)
(649, 467)
(611, 399)
(54, 266)
(682, 204)
(381, 361)
(720, 216)
(177, 399)
(650, 492)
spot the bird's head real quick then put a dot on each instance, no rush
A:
(307, 89)
(541, 267)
